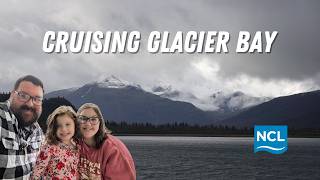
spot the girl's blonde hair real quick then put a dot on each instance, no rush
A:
(101, 135)
(52, 126)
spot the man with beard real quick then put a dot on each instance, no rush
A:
(20, 133)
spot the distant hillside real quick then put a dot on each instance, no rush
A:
(298, 111)
(129, 103)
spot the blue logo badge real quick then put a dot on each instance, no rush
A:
(273, 139)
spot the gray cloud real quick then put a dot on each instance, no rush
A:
(293, 65)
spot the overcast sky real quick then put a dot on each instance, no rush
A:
(293, 65)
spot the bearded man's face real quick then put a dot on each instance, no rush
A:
(26, 103)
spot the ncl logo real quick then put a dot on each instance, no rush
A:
(272, 139)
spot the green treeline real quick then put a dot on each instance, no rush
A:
(177, 129)
(184, 129)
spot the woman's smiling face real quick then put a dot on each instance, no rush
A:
(89, 125)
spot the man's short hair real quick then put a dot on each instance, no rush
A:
(34, 80)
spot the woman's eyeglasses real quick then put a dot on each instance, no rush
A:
(93, 120)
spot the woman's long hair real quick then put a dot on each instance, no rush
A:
(101, 135)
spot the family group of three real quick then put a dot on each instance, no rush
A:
(77, 145)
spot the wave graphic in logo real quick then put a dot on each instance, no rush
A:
(271, 148)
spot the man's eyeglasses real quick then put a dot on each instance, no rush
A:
(93, 120)
(24, 97)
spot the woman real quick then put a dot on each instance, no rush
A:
(102, 156)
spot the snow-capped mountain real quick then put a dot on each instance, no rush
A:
(122, 101)
(170, 93)
(115, 82)
(111, 82)
(231, 102)
(219, 101)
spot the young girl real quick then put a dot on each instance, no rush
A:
(59, 155)
(102, 156)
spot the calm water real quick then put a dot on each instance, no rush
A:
(165, 158)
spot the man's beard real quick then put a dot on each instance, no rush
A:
(18, 112)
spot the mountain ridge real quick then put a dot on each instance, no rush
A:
(297, 111)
